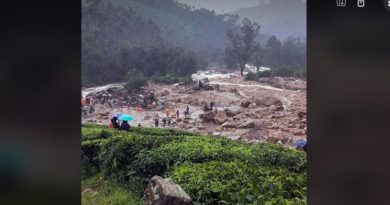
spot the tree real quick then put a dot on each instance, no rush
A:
(241, 43)
(258, 56)
(135, 80)
(274, 49)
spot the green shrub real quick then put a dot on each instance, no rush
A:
(169, 78)
(90, 163)
(185, 80)
(132, 158)
(253, 76)
(236, 182)
(118, 154)
(97, 133)
(250, 76)
(107, 192)
(135, 80)
(279, 156)
(190, 150)
(263, 74)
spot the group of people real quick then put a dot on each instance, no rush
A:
(87, 106)
(207, 108)
(123, 126)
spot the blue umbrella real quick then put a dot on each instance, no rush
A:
(126, 118)
(300, 143)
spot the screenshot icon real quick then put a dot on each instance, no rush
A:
(341, 3)
(361, 3)
(387, 4)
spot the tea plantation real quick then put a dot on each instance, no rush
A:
(117, 167)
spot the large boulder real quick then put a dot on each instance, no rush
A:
(245, 104)
(164, 192)
(208, 116)
(268, 101)
(247, 124)
(232, 111)
(220, 117)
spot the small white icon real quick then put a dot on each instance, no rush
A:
(361, 3)
(342, 3)
(387, 4)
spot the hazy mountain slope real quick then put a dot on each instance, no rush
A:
(200, 30)
(282, 18)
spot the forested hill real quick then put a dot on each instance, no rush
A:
(282, 18)
(119, 35)
(200, 30)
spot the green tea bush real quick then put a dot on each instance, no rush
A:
(90, 162)
(107, 192)
(97, 133)
(132, 158)
(279, 156)
(190, 150)
(238, 183)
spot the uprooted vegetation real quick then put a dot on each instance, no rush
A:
(212, 170)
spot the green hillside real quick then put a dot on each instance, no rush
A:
(212, 170)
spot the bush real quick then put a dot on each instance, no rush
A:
(238, 183)
(186, 80)
(254, 76)
(263, 74)
(250, 76)
(265, 172)
(286, 71)
(135, 80)
(168, 78)
(90, 163)
(107, 192)
(279, 156)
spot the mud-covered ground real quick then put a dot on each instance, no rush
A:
(272, 110)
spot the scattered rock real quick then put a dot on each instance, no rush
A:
(268, 101)
(208, 116)
(230, 112)
(247, 124)
(228, 124)
(245, 104)
(164, 192)
(220, 117)
(147, 117)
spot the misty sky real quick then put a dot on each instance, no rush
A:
(221, 6)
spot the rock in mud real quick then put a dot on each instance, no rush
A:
(220, 117)
(245, 104)
(163, 192)
(268, 101)
(255, 135)
(208, 116)
(230, 112)
(247, 124)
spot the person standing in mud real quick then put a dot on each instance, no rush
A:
(212, 105)
(164, 120)
(156, 122)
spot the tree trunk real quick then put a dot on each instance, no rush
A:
(257, 68)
